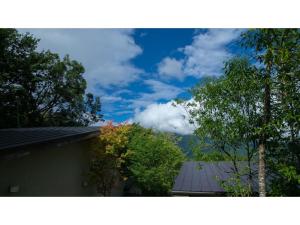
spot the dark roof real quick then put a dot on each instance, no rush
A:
(201, 177)
(17, 137)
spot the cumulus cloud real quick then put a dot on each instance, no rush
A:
(207, 53)
(203, 57)
(165, 117)
(105, 53)
(171, 68)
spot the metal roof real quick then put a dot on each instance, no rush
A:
(204, 177)
(17, 137)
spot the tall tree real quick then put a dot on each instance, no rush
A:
(39, 89)
(269, 93)
(278, 52)
(226, 113)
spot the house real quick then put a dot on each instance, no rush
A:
(50, 161)
(204, 178)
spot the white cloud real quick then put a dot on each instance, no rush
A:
(160, 91)
(165, 117)
(105, 53)
(207, 53)
(203, 57)
(171, 68)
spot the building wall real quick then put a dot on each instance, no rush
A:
(46, 170)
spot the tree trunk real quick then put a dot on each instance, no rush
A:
(264, 136)
(261, 170)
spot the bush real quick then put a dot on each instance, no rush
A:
(154, 161)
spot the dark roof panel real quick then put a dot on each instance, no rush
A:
(16, 137)
(204, 177)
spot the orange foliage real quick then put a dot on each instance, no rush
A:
(114, 140)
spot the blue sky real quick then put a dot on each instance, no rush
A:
(138, 72)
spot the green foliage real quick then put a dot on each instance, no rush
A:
(103, 171)
(283, 162)
(40, 89)
(279, 51)
(212, 156)
(229, 114)
(235, 187)
(114, 140)
(152, 160)
(109, 153)
(255, 104)
(155, 160)
(287, 181)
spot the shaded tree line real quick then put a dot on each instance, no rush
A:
(38, 88)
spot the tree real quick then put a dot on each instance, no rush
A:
(114, 140)
(108, 157)
(40, 89)
(154, 161)
(103, 172)
(151, 160)
(226, 112)
(257, 107)
(278, 50)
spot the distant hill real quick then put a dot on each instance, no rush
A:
(185, 144)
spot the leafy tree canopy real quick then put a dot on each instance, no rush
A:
(255, 105)
(152, 160)
(40, 89)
